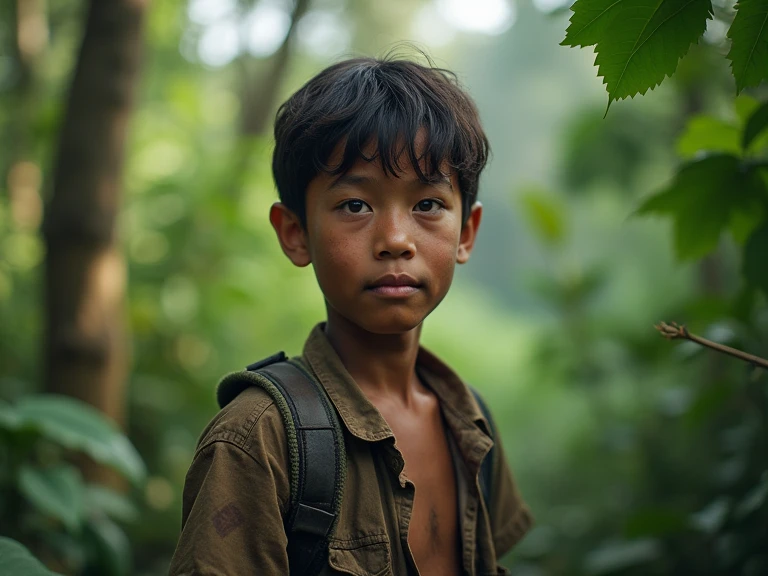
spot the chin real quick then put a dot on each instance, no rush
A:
(394, 323)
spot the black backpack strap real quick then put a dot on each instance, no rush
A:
(317, 455)
(486, 468)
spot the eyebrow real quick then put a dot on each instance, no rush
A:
(360, 179)
(350, 180)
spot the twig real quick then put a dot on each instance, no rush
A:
(673, 332)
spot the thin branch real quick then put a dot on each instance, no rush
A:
(673, 332)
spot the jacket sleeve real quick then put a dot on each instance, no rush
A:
(510, 516)
(235, 495)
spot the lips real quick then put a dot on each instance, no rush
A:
(395, 280)
(395, 285)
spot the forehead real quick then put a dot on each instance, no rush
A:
(393, 156)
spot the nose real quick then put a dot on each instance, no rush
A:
(394, 238)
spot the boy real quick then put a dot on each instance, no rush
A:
(377, 165)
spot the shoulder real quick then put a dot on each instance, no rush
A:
(248, 421)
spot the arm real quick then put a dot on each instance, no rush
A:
(235, 495)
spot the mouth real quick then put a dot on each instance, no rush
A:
(394, 285)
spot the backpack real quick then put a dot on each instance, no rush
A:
(316, 452)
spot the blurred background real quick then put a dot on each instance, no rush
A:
(137, 266)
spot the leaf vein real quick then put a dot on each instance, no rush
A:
(757, 41)
(636, 48)
(596, 18)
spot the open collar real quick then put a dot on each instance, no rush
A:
(363, 419)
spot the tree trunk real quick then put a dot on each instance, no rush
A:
(259, 92)
(86, 344)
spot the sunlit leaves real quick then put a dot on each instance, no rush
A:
(706, 133)
(638, 42)
(703, 198)
(749, 43)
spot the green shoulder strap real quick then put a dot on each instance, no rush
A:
(316, 449)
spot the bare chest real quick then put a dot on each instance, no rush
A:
(433, 534)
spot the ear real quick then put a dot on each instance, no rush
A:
(290, 234)
(469, 233)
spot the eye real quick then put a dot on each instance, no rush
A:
(428, 205)
(355, 206)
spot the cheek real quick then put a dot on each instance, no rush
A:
(443, 249)
(335, 259)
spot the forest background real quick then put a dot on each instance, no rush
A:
(137, 266)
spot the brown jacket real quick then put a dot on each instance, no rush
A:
(237, 488)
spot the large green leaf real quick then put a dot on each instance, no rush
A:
(708, 134)
(16, 559)
(639, 42)
(702, 199)
(78, 426)
(645, 41)
(56, 492)
(756, 259)
(749, 43)
(590, 21)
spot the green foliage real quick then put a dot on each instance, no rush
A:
(749, 48)
(755, 252)
(56, 491)
(756, 124)
(545, 215)
(637, 43)
(704, 133)
(638, 457)
(723, 190)
(44, 497)
(612, 151)
(16, 559)
(703, 198)
(76, 426)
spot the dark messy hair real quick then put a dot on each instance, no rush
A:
(385, 102)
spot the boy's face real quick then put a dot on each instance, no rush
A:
(383, 247)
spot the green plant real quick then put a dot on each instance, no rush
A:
(16, 559)
(45, 501)
(718, 523)
(639, 43)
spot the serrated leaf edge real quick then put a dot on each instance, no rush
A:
(570, 20)
(739, 85)
(611, 97)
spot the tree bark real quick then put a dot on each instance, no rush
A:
(86, 346)
(259, 92)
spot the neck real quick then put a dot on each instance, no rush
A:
(382, 365)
